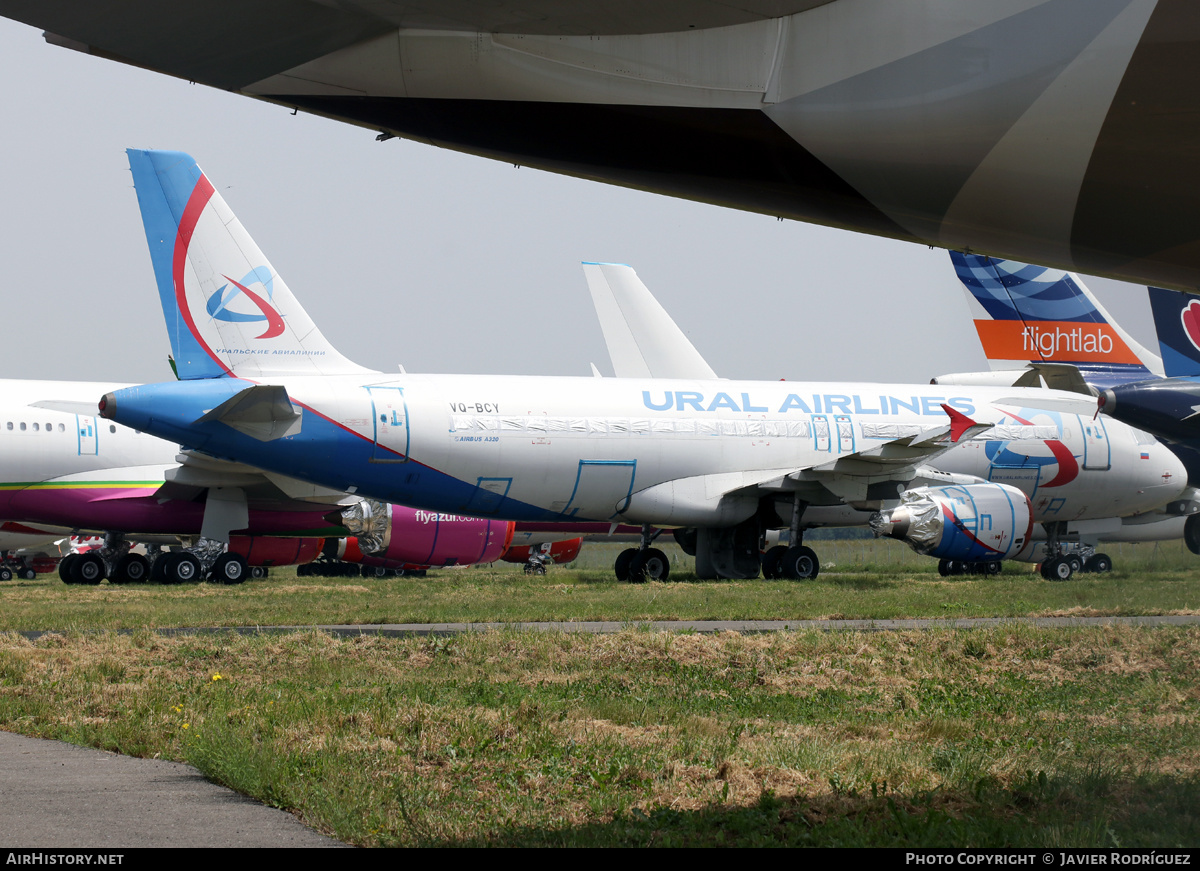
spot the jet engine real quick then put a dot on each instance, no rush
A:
(560, 552)
(968, 523)
(410, 537)
(264, 550)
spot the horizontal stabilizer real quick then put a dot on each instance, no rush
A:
(263, 412)
(83, 409)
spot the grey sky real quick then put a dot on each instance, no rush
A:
(408, 254)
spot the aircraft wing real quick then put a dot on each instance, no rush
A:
(197, 472)
(643, 341)
(859, 479)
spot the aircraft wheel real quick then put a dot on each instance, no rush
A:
(185, 569)
(1076, 563)
(994, 567)
(1100, 563)
(800, 563)
(163, 571)
(621, 566)
(132, 568)
(5, 573)
(88, 569)
(1191, 533)
(260, 572)
(64, 567)
(650, 564)
(770, 562)
(1057, 569)
(230, 568)
(945, 568)
(26, 573)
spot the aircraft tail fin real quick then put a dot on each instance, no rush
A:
(1032, 314)
(1177, 321)
(228, 311)
(643, 341)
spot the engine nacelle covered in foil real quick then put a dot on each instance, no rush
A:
(406, 536)
(967, 522)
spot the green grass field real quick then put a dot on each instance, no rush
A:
(1008, 736)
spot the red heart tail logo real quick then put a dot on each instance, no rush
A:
(1191, 322)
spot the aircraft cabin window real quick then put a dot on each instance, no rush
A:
(62, 428)
(22, 426)
(10, 424)
(35, 427)
(112, 427)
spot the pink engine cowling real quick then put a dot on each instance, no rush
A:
(394, 535)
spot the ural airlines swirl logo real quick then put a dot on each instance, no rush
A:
(999, 453)
(1191, 322)
(219, 304)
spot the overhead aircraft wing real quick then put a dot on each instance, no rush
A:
(643, 341)
(729, 497)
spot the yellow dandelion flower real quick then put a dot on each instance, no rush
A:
(217, 677)
(185, 725)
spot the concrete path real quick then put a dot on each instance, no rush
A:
(55, 795)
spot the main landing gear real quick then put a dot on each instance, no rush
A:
(1061, 563)
(12, 566)
(113, 560)
(639, 564)
(797, 562)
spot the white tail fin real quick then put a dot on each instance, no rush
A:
(228, 311)
(643, 341)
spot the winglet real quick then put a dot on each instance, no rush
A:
(959, 423)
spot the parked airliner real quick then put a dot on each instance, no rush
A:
(262, 386)
(65, 471)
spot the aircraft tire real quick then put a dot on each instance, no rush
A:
(164, 569)
(26, 574)
(230, 568)
(1099, 563)
(621, 566)
(132, 568)
(64, 567)
(185, 569)
(1076, 563)
(650, 564)
(5, 573)
(88, 569)
(1191, 534)
(994, 567)
(260, 572)
(800, 563)
(1057, 569)
(770, 562)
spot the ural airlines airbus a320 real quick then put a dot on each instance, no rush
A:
(727, 459)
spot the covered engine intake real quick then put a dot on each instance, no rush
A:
(408, 536)
(971, 523)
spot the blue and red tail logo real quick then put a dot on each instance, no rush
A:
(218, 304)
